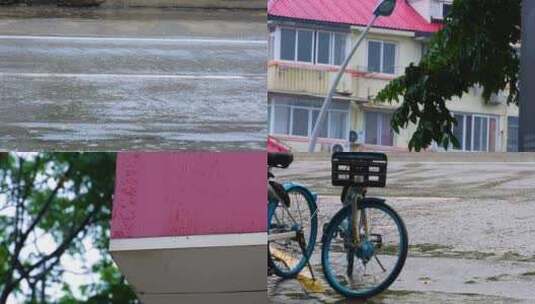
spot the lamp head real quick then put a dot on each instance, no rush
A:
(385, 8)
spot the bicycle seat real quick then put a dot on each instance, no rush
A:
(280, 159)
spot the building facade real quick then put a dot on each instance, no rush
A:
(190, 227)
(309, 39)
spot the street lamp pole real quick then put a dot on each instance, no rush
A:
(384, 8)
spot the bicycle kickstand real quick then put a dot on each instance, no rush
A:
(301, 241)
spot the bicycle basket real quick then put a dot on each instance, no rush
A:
(359, 169)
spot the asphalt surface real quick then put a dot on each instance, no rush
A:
(142, 79)
(470, 225)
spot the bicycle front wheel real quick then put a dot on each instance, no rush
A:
(287, 257)
(365, 269)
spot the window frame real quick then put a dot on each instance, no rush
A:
(379, 128)
(471, 144)
(312, 46)
(381, 55)
(279, 43)
(512, 144)
(310, 110)
(315, 45)
(331, 59)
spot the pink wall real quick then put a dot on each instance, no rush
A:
(189, 193)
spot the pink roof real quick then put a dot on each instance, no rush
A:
(353, 12)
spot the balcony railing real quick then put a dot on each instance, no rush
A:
(316, 79)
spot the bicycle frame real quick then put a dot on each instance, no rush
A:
(353, 195)
(273, 202)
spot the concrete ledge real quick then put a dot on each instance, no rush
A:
(193, 241)
(227, 4)
(197, 275)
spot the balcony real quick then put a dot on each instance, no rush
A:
(305, 78)
(311, 79)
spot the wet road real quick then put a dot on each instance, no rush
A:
(141, 79)
(470, 224)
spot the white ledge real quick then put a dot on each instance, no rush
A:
(193, 241)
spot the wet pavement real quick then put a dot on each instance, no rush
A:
(145, 79)
(470, 225)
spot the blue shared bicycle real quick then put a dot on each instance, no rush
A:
(364, 246)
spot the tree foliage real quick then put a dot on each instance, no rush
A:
(475, 48)
(49, 204)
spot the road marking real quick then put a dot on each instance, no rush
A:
(145, 76)
(132, 39)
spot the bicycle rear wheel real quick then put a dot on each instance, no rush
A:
(287, 257)
(367, 269)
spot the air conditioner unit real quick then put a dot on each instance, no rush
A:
(337, 148)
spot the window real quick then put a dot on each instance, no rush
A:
(381, 57)
(378, 130)
(323, 131)
(374, 56)
(476, 132)
(458, 130)
(319, 47)
(296, 45)
(287, 49)
(324, 47)
(339, 49)
(304, 45)
(281, 118)
(446, 8)
(300, 121)
(338, 124)
(271, 46)
(512, 134)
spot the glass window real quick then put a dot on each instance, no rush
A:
(468, 141)
(371, 128)
(458, 131)
(374, 56)
(389, 58)
(512, 134)
(304, 45)
(287, 44)
(271, 46)
(323, 130)
(387, 136)
(493, 134)
(381, 57)
(281, 120)
(312, 46)
(300, 122)
(446, 9)
(477, 134)
(480, 133)
(378, 129)
(324, 46)
(484, 134)
(339, 48)
(338, 125)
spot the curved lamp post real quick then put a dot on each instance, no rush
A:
(384, 8)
